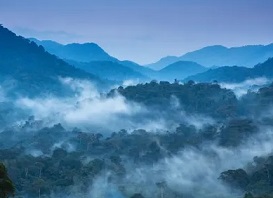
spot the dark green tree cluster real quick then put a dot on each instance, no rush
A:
(6, 186)
(202, 98)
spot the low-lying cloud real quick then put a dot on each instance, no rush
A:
(89, 109)
(194, 172)
(242, 88)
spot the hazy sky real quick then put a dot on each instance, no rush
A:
(143, 30)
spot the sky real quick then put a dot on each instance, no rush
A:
(143, 30)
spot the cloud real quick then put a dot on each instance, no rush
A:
(194, 172)
(103, 188)
(242, 88)
(91, 110)
(127, 83)
(86, 108)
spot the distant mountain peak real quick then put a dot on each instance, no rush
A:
(180, 70)
(184, 63)
(168, 57)
(81, 52)
(214, 47)
(218, 55)
(236, 74)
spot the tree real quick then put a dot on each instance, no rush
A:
(191, 82)
(161, 185)
(38, 184)
(248, 195)
(137, 195)
(6, 185)
(235, 178)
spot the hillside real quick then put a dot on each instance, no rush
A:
(85, 52)
(89, 55)
(180, 70)
(109, 70)
(31, 69)
(93, 59)
(141, 69)
(235, 74)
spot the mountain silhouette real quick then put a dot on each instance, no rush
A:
(235, 74)
(30, 69)
(218, 55)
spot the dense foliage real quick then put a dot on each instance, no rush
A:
(6, 185)
(203, 98)
(42, 161)
(54, 159)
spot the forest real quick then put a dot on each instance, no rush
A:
(214, 144)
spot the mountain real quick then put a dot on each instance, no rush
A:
(127, 70)
(242, 56)
(235, 74)
(29, 68)
(141, 69)
(109, 70)
(163, 62)
(89, 55)
(218, 55)
(180, 70)
(85, 52)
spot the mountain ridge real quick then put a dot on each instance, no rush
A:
(32, 68)
(180, 70)
(218, 55)
(109, 70)
(81, 52)
(235, 74)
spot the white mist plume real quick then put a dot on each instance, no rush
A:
(91, 110)
(195, 172)
(87, 107)
(242, 88)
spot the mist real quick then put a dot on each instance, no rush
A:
(179, 153)
(92, 110)
(242, 88)
(192, 172)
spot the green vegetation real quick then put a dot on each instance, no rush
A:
(203, 98)
(6, 186)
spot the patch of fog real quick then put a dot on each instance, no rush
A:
(127, 83)
(195, 172)
(64, 145)
(103, 188)
(34, 152)
(91, 110)
(87, 108)
(196, 120)
(242, 88)
(199, 169)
